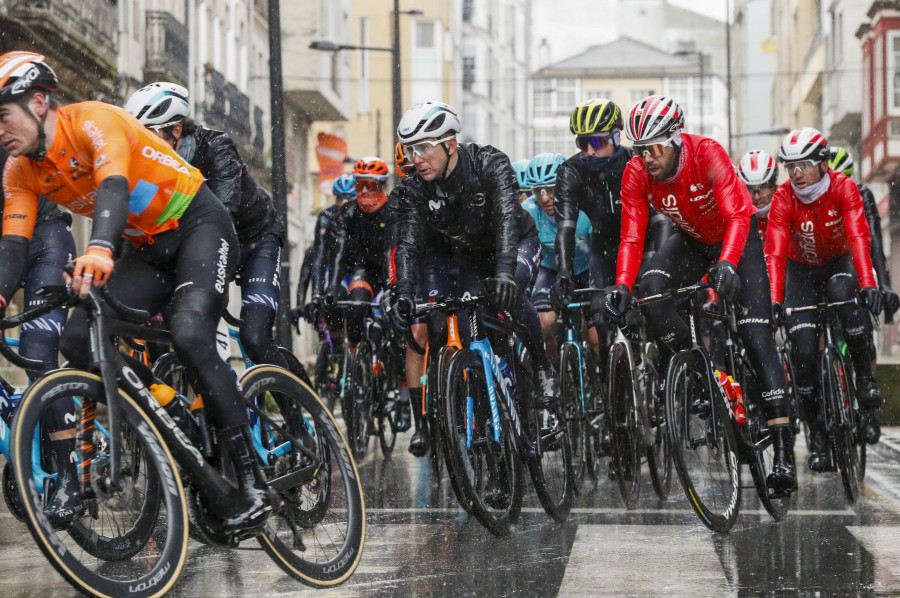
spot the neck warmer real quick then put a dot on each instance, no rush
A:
(606, 167)
(188, 147)
(763, 212)
(807, 195)
(371, 202)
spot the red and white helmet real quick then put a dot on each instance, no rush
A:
(654, 117)
(757, 167)
(804, 144)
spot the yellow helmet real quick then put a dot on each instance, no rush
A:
(595, 116)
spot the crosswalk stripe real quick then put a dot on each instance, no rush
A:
(882, 543)
(615, 559)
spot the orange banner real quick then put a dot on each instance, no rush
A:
(331, 152)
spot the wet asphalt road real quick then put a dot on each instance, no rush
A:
(420, 543)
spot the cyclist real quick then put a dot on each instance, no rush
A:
(818, 237)
(50, 249)
(759, 171)
(521, 169)
(541, 178)
(99, 161)
(164, 108)
(690, 179)
(842, 161)
(464, 198)
(590, 181)
(323, 248)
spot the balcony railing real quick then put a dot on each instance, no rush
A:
(226, 108)
(87, 27)
(167, 47)
(238, 120)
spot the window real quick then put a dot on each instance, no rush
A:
(468, 8)
(553, 97)
(468, 72)
(557, 139)
(595, 95)
(895, 73)
(424, 34)
(543, 97)
(566, 95)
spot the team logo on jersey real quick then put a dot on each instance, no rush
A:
(73, 163)
(832, 213)
(479, 200)
(100, 159)
(435, 205)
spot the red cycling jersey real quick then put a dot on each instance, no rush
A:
(817, 233)
(706, 199)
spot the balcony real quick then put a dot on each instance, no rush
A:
(167, 48)
(79, 32)
(237, 121)
(226, 108)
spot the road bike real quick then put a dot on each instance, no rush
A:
(708, 445)
(491, 423)
(130, 481)
(372, 385)
(581, 391)
(839, 408)
(638, 430)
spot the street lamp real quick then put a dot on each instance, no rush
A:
(396, 99)
(699, 56)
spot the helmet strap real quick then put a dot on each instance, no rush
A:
(41, 150)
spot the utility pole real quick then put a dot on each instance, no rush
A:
(279, 177)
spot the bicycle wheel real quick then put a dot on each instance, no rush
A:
(359, 393)
(839, 420)
(549, 455)
(325, 370)
(385, 419)
(595, 415)
(624, 433)
(659, 454)
(571, 398)
(132, 540)
(437, 389)
(488, 471)
(10, 494)
(318, 535)
(703, 442)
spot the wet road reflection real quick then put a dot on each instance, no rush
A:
(420, 543)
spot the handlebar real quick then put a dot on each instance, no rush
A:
(824, 305)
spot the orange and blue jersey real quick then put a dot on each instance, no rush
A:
(92, 142)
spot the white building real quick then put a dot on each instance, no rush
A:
(495, 48)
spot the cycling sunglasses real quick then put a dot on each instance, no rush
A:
(652, 150)
(539, 190)
(595, 141)
(368, 185)
(801, 166)
(759, 188)
(410, 152)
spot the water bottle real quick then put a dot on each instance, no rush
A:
(176, 407)
(735, 395)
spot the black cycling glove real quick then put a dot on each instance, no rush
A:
(561, 291)
(616, 304)
(503, 291)
(870, 298)
(778, 315)
(724, 279)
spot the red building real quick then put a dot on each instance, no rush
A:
(880, 163)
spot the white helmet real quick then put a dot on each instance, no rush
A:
(159, 104)
(804, 144)
(428, 120)
(654, 118)
(757, 167)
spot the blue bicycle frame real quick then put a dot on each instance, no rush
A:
(495, 368)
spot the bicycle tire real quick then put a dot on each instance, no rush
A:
(437, 389)
(595, 413)
(696, 416)
(659, 454)
(160, 553)
(385, 423)
(624, 433)
(571, 397)
(471, 461)
(838, 403)
(359, 394)
(318, 535)
(758, 448)
(549, 455)
(325, 385)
